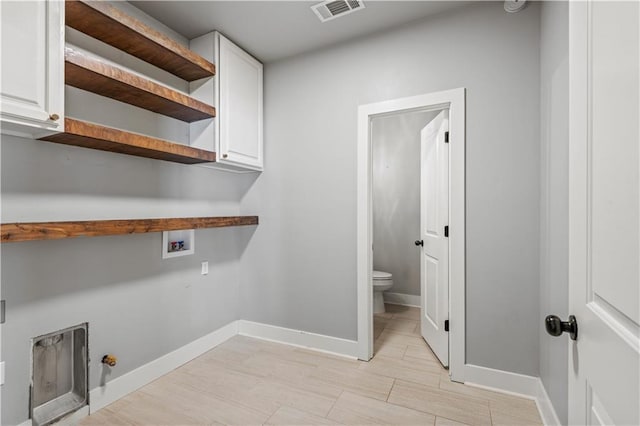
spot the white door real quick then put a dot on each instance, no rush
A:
(604, 253)
(434, 217)
(240, 107)
(32, 85)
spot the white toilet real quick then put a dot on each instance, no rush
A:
(381, 281)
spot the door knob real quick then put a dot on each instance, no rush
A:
(556, 327)
(419, 243)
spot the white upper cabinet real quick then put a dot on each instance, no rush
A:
(32, 84)
(236, 92)
(239, 106)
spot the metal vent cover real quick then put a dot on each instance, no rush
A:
(331, 9)
(59, 374)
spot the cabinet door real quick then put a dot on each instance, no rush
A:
(240, 107)
(32, 88)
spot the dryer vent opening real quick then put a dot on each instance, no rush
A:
(59, 374)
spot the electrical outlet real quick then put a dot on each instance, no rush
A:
(205, 268)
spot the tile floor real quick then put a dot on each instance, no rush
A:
(248, 381)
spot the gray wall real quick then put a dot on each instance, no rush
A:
(300, 269)
(554, 216)
(297, 269)
(396, 197)
(139, 307)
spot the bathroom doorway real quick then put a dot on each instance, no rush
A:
(392, 138)
(410, 212)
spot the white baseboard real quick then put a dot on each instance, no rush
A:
(545, 407)
(319, 342)
(401, 299)
(121, 386)
(504, 381)
(513, 384)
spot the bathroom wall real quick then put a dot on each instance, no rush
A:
(139, 306)
(396, 197)
(554, 197)
(300, 269)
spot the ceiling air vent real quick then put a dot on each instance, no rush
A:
(331, 9)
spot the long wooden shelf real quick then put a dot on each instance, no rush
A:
(90, 73)
(108, 24)
(95, 136)
(16, 232)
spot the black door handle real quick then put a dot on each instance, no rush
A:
(419, 243)
(556, 327)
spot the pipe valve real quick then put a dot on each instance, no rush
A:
(110, 360)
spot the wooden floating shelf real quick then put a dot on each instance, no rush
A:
(94, 75)
(16, 232)
(108, 24)
(95, 136)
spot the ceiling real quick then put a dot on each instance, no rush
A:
(272, 30)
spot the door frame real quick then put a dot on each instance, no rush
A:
(454, 100)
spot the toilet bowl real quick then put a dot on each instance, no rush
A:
(381, 281)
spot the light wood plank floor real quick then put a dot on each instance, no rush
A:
(248, 381)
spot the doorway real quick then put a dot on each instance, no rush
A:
(410, 213)
(454, 102)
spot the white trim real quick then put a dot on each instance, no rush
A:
(119, 387)
(454, 100)
(514, 384)
(304, 339)
(503, 381)
(545, 407)
(401, 299)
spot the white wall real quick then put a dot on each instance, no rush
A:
(554, 216)
(300, 269)
(395, 142)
